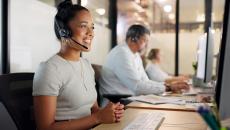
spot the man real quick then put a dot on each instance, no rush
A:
(123, 71)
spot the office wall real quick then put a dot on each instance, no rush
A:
(32, 38)
(31, 35)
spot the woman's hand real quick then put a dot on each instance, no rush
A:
(119, 111)
(107, 114)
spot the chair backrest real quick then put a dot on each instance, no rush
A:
(16, 96)
(97, 70)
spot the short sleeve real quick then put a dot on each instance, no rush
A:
(46, 80)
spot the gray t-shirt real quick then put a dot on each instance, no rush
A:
(72, 82)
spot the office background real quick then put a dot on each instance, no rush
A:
(28, 36)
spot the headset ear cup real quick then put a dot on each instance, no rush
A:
(62, 29)
(65, 32)
(62, 33)
(134, 39)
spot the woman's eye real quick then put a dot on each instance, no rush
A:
(83, 26)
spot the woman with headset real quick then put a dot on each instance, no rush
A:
(64, 87)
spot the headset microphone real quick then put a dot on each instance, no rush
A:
(78, 43)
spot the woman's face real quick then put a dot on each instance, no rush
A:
(82, 28)
(158, 56)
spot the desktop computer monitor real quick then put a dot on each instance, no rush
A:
(223, 83)
(205, 56)
(209, 56)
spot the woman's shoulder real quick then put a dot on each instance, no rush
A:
(54, 63)
(150, 65)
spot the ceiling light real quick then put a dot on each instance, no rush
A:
(100, 11)
(167, 8)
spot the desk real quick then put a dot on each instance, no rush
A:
(184, 120)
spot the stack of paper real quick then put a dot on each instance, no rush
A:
(153, 99)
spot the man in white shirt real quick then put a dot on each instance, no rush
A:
(123, 71)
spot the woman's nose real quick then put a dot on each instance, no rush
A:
(90, 31)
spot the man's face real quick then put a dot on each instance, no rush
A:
(142, 43)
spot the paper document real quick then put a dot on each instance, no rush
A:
(153, 99)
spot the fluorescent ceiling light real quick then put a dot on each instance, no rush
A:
(100, 11)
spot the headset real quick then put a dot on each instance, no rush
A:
(134, 35)
(134, 39)
(65, 32)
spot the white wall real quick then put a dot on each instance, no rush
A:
(31, 37)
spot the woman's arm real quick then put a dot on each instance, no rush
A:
(45, 108)
(95, 108)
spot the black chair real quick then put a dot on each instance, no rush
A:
(97, 70)
(112, 97)
(16, 96)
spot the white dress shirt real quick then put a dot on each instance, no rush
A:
(155, 73)
(123, 73)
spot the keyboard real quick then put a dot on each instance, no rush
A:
(146, 121)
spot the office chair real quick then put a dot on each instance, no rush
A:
(97, 70)
(16, 96)
(112, 97)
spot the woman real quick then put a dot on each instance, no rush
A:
(154, 71)
(64, 88)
